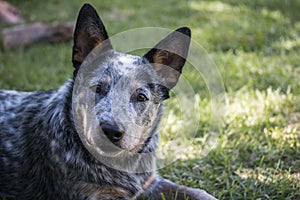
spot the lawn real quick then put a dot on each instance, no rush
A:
(256, 48)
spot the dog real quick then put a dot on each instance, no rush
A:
(43, 150)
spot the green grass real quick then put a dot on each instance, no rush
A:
(256, 46)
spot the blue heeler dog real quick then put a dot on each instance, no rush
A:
(43, 155)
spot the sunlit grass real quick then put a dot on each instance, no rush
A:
(255, 152)
(214, 6)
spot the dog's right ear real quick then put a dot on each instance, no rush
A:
(89, 32)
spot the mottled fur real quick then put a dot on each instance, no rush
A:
(41, 153)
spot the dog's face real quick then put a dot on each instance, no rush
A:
(129, 90)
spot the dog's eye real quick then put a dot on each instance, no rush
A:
(98, 88)
(102, 88)
(141, 97)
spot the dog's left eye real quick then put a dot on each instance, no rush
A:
(141, 97)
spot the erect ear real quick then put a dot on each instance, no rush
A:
(89, 32)
(169, 55)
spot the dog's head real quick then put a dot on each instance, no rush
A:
(130, 90)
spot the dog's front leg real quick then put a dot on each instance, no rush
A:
(162, 189)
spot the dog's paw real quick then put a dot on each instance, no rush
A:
(197, 194)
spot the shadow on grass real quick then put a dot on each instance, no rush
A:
(289, 8)
(244, 25)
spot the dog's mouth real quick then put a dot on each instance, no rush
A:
(137, 147)
(131, 144)
(116, 150)
(121, 140)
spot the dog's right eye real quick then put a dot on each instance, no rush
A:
(103, 85)
(95, 89)
(141, 97)
(98, 88)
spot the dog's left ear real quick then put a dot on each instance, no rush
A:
(89, 32)
(169, 55)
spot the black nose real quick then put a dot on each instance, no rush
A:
(112, 132)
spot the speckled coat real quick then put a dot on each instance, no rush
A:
(41, 153)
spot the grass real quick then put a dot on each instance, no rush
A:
(256, 46)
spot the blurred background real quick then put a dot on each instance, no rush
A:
(255, 45)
